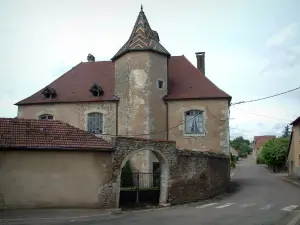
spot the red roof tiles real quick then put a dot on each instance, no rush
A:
(260, 140)
(75, 84)
(185, 82)
(47, 134)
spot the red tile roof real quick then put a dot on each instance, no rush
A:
(75, 84)
(185, 82)
(47, 134)
(260, 140)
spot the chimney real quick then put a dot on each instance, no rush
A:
(201, 61)
(90, 58)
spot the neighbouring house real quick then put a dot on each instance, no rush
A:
(259, 141)
(143, 91)
(49, 163)
(294, 149)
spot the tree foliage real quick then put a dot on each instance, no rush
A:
(286, 132)
(274, 152)
(127, 175)
(242, 146)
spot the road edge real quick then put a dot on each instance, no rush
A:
(295, 220)
(290, 181)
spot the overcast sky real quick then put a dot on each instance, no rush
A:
(252, 48)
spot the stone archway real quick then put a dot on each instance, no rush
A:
(165, 151)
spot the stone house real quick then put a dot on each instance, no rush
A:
(294, 149)
(258, 143)
(143, 91)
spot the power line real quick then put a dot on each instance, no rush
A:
(136, 135)
(260, 114)
(259, 99)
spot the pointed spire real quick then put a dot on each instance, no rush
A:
(142, 38)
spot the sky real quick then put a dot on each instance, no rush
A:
(252, 48)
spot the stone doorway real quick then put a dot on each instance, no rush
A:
(143, 183)
(126, 148)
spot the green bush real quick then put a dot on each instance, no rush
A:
(127, 176)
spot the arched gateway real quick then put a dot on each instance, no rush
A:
(126, 148)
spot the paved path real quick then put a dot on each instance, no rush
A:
(262, 199)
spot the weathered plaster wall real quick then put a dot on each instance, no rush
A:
(74, 114)
(216, 125)
(31, 179)
(293, 158)
(141, 108)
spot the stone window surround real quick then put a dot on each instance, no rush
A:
(203, 109)
(43, 112)
(86, 113)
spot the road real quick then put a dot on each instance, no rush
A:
(261, 199)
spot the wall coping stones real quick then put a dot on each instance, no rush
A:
(188, 152)
(141, 139)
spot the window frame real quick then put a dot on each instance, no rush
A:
(101, 120)
(203, 124)
(47, 115)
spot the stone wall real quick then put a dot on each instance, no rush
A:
(186, 175)
(198, 175)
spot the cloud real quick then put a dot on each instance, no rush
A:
(286, 34)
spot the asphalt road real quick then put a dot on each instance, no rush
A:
(261, 199)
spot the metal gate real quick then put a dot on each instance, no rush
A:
(139, 188)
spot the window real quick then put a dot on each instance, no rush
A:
(46, 117)
(96, 90)
(160, 84)
(95, 123)
(194, 122)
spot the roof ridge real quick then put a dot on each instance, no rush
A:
(50, 83)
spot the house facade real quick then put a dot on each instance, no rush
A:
(294, 149)
(258, 143)
(143, 91)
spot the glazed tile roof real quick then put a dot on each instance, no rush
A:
(47, 134)
(142, 38)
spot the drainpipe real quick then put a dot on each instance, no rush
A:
(167, 121)
(117, 117)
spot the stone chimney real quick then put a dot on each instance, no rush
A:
(90, 58)
(201, 61)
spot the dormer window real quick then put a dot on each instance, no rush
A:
(49, 92)
(96, 90)
(46, 117)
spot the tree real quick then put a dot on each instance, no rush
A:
(286, 132)
(274, 152)
(127, 175)
(241, 145)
